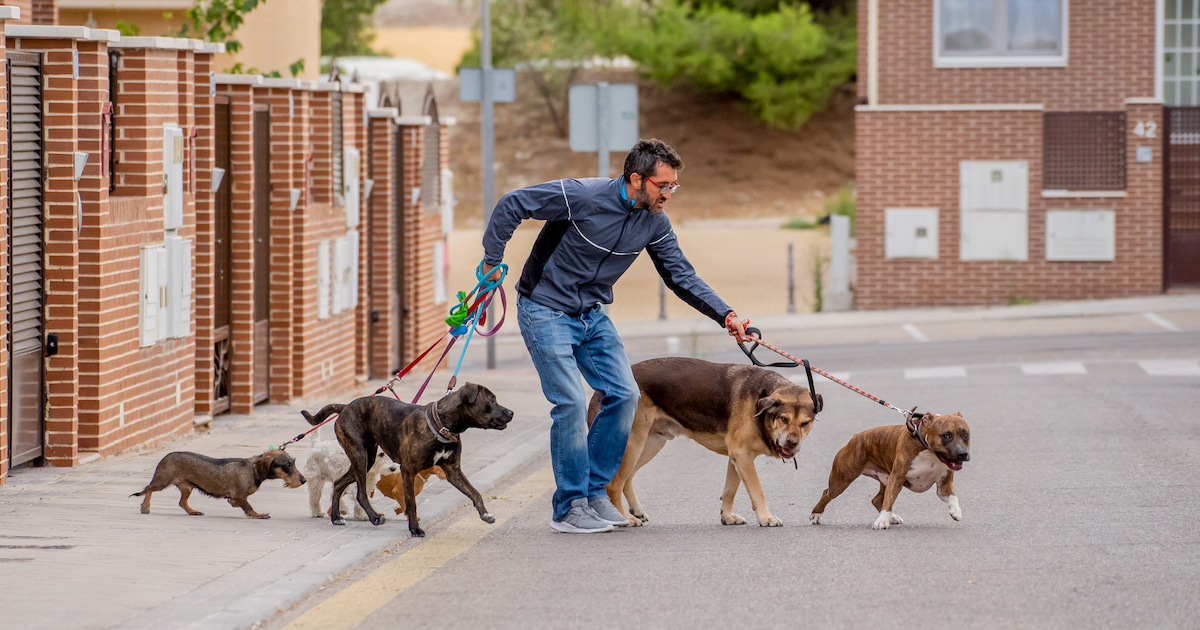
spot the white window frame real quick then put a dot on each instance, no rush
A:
(941, 60)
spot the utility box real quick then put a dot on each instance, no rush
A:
(994, 201)
(172, 177)
(912, 233)
(1081, 235)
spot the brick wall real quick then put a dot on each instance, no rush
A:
(356, 135)
(911, 160)
(43, 12)
(324, 348)
(204, 157)
(130, 394)
(288, 121)
(26, 7)
(1110, 57)
(423, 324)
(241, 211)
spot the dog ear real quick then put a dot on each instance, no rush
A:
(767, 403)
(470, 392)
(263, 464)
(820, 404)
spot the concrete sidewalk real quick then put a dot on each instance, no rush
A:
(77, 553)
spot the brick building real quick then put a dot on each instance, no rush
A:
(1015, 150)
(183, 243)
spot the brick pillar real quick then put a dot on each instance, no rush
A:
(205, 156)
(26, 8)
(420, 232)
(241, 209)
(355, 135)
(62, 252)
(382, 274)
(44, 12)
(1139, 232)
(287, 120)
(93, 191)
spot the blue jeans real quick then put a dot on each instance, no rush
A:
(562, 348)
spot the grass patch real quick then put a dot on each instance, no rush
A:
(1016, 301)
(797, 223)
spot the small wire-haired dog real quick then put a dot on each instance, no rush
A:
(230, 478)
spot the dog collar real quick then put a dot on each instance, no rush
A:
(443, 435)
(915, 430)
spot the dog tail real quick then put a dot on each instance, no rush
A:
(325, 412)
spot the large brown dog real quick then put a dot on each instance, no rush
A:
(414, 436)
(736, 410)
(929, 450)
(233, 479)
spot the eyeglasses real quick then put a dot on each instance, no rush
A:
(664, 187)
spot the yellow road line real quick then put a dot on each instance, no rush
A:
(354, 603)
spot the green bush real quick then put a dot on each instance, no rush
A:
(784, 62)
(844, 204)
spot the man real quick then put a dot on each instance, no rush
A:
(594, 230)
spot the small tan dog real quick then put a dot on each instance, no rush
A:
(393, 485)
(930, 448)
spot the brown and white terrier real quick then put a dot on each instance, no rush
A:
(392, 485)
(928, 449)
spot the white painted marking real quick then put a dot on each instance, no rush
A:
(1053, 367)
(953, 371)
(1161, 321)
(1171, 367)
(915, 332)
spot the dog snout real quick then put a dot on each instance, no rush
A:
(791, 443)
(302, 479)
(964, 456)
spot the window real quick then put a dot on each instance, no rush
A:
(1181, 45)
(998, 33)
(1083, 151)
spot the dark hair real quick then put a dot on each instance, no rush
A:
(646, 155)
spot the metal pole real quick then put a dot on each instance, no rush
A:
(602, 106)
(488, 155)
(662, 299)
(791, 283)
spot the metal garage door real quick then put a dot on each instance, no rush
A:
(25, 263)
(222, 264)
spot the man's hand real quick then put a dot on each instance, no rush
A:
(737, 327)
(493, 277)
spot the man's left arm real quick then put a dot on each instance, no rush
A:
(681, 278)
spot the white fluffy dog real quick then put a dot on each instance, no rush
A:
(327, 462)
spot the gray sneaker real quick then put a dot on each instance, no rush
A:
(606, 511)
(581, 520)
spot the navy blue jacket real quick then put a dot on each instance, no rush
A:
(592, 235)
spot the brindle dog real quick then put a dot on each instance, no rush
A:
(230, 478)
(736, 410)
(406, 433)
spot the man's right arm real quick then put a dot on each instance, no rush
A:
(545, 202)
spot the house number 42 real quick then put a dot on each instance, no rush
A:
(1146, 129)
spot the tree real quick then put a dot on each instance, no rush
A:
(346, 27)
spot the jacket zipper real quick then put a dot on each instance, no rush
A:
(600, 265)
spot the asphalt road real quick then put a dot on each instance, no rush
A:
(1079, 506)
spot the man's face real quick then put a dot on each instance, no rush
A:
(650, 195)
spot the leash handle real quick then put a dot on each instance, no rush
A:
(757, 336)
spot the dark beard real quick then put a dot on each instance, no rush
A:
(642, 199)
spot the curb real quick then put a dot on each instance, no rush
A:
(239, 599)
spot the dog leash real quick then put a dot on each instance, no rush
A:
(463, 320)
(910, 415)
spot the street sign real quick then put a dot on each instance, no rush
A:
(621, 119)
(470, 85)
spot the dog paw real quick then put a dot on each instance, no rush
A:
(361, 517)
(641, 517)
(732, 519)
(195, 513)
(635, 521)
(955, 510)
(487, 518)
(340, 521)
(417, 532)
(896, 520)
(814, 518)
(884, 521)
(378, 520)
(261, 516)
(769, 521)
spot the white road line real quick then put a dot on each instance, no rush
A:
(915, 332)
(954, 371)
(1160, 321)
(1053, 367)
(1170, 367)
